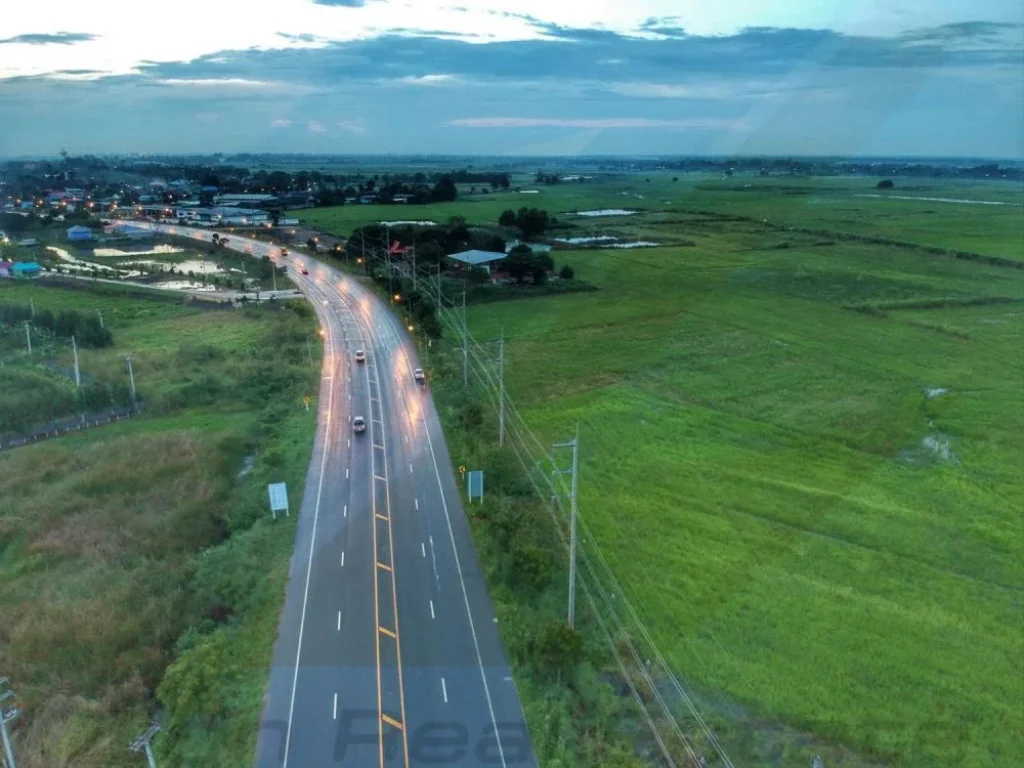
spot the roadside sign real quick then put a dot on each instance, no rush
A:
(475, 482)
(278, 498)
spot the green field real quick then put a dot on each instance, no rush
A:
(800, 455)
(139, 570)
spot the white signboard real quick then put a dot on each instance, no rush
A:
(278, 498)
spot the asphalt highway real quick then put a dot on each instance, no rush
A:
(388, 651)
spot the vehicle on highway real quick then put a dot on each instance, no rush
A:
(305, 271)
(284, 251)
(421, 378)
(359, 424)
(360, 356)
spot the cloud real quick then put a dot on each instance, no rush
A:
(355, 126)
(616, 122)
(305, 37)
(951, 89)
(213, 82)
(427, 79)
(56, 38)
(343, 3)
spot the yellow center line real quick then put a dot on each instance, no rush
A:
(381, 565)
(388, 632)
(391, 721)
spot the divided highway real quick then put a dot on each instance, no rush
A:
(388, 652)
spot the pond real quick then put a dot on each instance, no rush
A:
(607, 212)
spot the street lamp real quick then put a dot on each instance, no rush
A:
(398, 297)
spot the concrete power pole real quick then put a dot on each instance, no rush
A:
(78, 374)
(100, 313)
(131, 375)
(141, 744)
(5, 717)
(575, 445)
(465, 343)
(28, 336)
(414, 267)
(501, 389)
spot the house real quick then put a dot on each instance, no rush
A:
(246, 200)
(397, 249)
(6, 269)
(367, 199)
(477, 258)
(28, 242)
(79, 233)
(25, 270)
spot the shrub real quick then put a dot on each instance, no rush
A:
(567, 272)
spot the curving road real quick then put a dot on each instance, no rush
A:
(388, 652)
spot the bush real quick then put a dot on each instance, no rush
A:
(567, 272)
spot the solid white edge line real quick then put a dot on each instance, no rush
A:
(444, 690)
(465, 596)
(432, 609)
(309, 572)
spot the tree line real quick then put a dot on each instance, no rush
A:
(87, 329)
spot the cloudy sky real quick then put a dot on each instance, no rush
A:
(874, 77)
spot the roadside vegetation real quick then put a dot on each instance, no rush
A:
(141, 575)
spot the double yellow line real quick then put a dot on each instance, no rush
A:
(382, 631)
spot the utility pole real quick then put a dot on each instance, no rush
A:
(465, 343)
(78, 374)
(414, 267)
(575, 445)
(32, 306)
(141, 744)
(439, 307)
(131, 375)
(309, 352)
(501, 389)
(28, 336)
(5, 717)
(274, 268)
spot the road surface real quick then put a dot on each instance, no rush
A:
(388, 651)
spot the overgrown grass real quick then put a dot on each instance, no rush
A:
(816, 535)
(128, 550)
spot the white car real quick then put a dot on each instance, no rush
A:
(421, 378)
(359, 424)
(360, 356)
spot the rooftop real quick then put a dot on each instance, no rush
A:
(475, 257)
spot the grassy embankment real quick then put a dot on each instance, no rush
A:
(815, 534)
(147, 543)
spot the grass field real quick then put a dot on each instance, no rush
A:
(132, 555)
(803, 462)
(841, 205)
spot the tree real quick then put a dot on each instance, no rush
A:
(566, 272)
(507, 218)
(444, 191)
(312, 242)
(558, 648)
(885, 184)
(279, 181)
(531, 222)
(520, 263)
